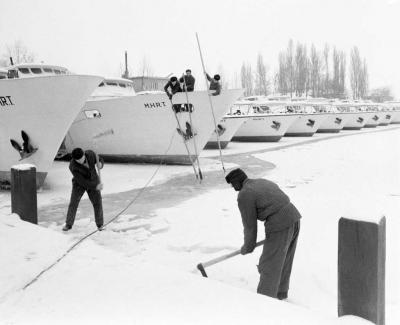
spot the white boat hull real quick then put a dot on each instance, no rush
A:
(373, 120)
(385, 117)
(305, 125)
(226, 129)
(144, 128)
(356, 121)
(333, 123)
(265, 127)
(395, 117)
(43, 107)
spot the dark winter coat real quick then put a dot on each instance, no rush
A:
(174, 88)
(189, 81)
(84, 176)
(261, 199)
(214, 85)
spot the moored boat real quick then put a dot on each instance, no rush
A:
(226, 129)
(38, 103)
(267, 121)
(148, 128)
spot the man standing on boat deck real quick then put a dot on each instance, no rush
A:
(188, 81)
(174, 86)
(85, 179)
(263, 200)
(214, 84)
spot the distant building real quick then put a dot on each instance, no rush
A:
(144, 83)
(148, 83)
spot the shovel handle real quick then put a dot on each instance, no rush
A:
(216, 260)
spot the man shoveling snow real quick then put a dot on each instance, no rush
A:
(261, 199)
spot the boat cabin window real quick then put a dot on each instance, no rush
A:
(101, 84)
(57, 71)
(36, 70)
(111, 83)
(24, 70)
(48, 70)
(122, 85)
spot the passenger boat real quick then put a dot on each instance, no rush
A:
(126, 127)
(308, 121)
(38, 103)
(356, 117)
(266, 121)
(394, 108)
(226, 129)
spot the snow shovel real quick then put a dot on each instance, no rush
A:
(216, 260)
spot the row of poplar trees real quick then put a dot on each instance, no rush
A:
(307, 72)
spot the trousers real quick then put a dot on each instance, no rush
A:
(94, 197)
(276, 260)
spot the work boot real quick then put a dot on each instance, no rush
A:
(66, 227)
(101, 228)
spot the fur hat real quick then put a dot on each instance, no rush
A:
(217, 77)
(236, 175)
(173, 79)
(77, 153)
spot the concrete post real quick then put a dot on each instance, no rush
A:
(23, 192)
(361, 269)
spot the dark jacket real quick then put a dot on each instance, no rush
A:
(174, 88)
(214, 85)
(188, 81)
(260, 199)
(84, 176)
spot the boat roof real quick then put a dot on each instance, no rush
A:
(35, 65)
(112, 79)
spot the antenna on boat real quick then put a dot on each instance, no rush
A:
(11, 60)
(211, 105)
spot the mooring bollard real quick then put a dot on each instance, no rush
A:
(23, 192)
(361, 269)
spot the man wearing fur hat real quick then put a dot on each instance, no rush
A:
(263, 200)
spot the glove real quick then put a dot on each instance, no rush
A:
(170, 96)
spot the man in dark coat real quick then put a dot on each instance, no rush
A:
(214, 84)
(174, 87)
(85, 179)
(188, 81)
(263, 200)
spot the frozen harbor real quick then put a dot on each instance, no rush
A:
(142, 268)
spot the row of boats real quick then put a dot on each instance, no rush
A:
(56, 111)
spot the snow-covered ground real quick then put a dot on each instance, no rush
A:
(142, 268)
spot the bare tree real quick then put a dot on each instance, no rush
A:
(282, 78)
(358, 74)
(300, 70)
(262, 83)
(342, 74)
(18, 52)
(326, 66)
(315, 72)
(246, 77)
(290, 66)
(145, 68)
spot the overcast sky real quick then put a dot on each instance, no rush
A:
(91, 36)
